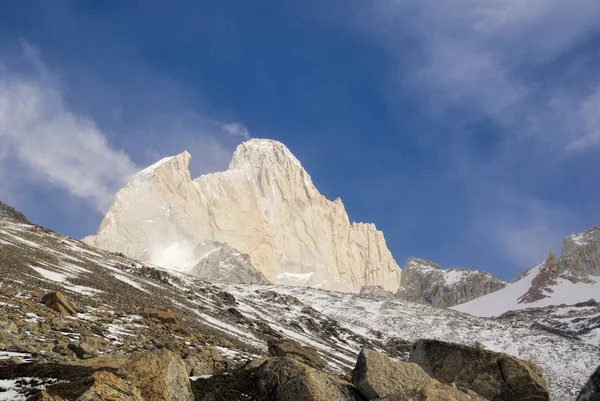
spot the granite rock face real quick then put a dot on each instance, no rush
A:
(426, 282)
(265, 205)
(580, 256)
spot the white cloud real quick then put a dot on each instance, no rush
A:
(237, 129)
(55, 144)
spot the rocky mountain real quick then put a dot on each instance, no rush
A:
(265, 205)
(10, 213)
(80, 321)
(565, 282)
(426, 282)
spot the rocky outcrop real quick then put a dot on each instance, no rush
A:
(160, 375)
(492, 375)
(375, 292)
(217, 261)
(426, 282)
(543, 282)
(293, 349)
(106, 386)
(9, 213)
(591, 390)
(580, 256)
(265, 205)
(377, 376)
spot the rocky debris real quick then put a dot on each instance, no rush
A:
(108, 387)
(58, 302)
(426, 282)
(160, 375)
(374, 292)
(591, 390)
(207, 361)
(158, 315)
(265, 205)
(293, 349)
(9, 213)
(44, 396)
(226, 297)
(492, 375)
(377, 376)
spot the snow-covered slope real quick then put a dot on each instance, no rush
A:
(338, 325)
(425, 281)
(563, 292)
(265, 205)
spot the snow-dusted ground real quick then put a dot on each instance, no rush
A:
(336, 324)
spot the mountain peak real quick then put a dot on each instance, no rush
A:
(257, 153)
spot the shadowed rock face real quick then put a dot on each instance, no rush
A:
(580, 256)
(591, 391)
(10, 213)
(426, 282)
(265, 205)
(492, 375)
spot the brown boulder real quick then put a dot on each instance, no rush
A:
(293, 349)
(44, 396)
(434, 391)
(58, 302)
(490, 374)
(160, 375)
(8, 291)
(160, 315)
(108, 387)
(376, 375)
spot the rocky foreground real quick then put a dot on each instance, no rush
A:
(84, 324)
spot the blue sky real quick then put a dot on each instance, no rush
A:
(468, 131)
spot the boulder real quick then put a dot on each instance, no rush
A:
(88, 348)
(8, 291)
(434, 391)
(108, 387)
(374, 292)
(163, 316)
(591, 390)
(58, 302)
(293, 349)
(376, 375)
(492, 375)
(160, 375)
(44, 396)
(286, 379)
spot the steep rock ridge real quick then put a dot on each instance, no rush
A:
(570, 279)
(265, 205)
(426, 282)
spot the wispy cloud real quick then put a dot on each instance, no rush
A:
(38, 130)
(509, 60)
(237, 129)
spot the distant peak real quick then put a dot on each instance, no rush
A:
(585, 238)
(421, 263)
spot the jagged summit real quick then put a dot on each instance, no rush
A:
(265, 205)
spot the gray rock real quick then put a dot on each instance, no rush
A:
(377, 376)
(86, 349)
(591, 390)
(426, 282)
(492, 375)
(581, 255)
